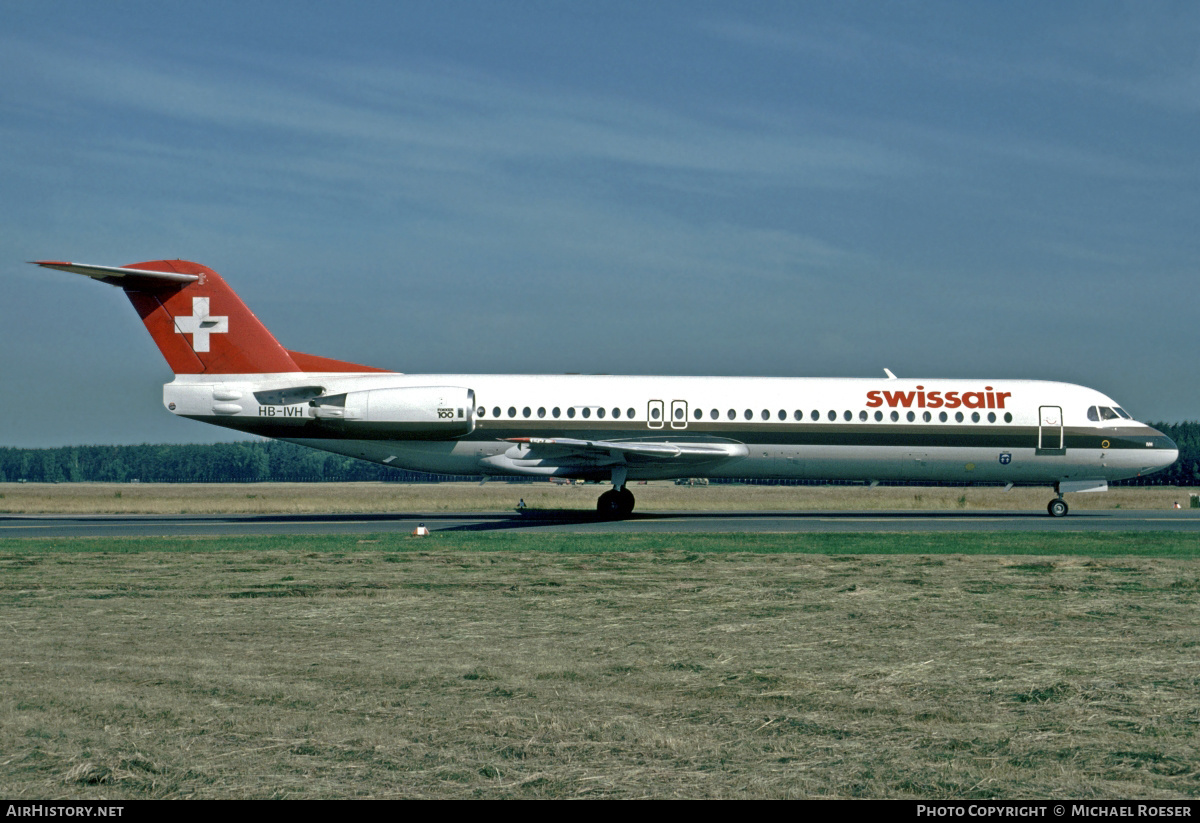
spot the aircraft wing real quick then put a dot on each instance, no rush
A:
(633, 451)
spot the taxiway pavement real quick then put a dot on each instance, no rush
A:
(61, 526)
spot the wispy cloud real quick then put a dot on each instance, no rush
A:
(447, 121)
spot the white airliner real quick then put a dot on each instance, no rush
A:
(230, 371)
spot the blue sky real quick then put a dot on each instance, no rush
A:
(798, 189)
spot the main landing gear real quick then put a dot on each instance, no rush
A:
(617, 502)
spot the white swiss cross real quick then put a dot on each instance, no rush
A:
(200, 325)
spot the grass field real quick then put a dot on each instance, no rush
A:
(223, 498)
(601, 666)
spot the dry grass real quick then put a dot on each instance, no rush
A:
(657, 674)
(227, 498)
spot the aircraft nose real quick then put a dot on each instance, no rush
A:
(1166, 451)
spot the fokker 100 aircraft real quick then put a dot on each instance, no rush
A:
(230, 371)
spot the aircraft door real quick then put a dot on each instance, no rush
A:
(1050, 430)
(679, 414)
(654, 414)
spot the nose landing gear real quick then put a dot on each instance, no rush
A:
(1057, 507)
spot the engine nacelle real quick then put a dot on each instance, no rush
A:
(415, 413)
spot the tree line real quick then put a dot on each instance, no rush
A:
(1186, 470)
(242, 462)
(276, 461)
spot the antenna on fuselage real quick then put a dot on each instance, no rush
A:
(888, 372)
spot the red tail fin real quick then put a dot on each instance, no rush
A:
(202, 327)
(199, 324)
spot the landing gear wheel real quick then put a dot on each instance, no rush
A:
(625, 496)
(615, 504)
(1057, 508)
(609, 504)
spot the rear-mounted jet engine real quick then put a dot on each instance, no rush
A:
(417, 413)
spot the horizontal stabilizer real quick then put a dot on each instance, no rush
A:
(118, 276)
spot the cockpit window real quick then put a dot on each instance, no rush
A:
(1098, 413)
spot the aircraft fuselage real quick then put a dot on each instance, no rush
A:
(1009, 431)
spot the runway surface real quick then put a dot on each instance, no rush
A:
(60, 526)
